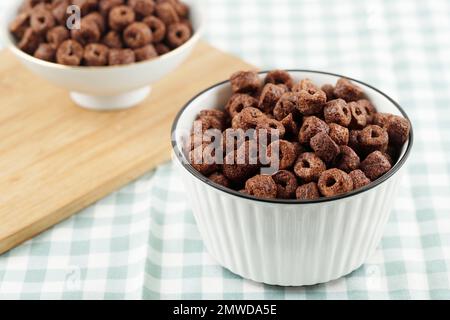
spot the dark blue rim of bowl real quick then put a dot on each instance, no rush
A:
(370, 186)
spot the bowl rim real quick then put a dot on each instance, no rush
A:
(399, 164)
(10, 44)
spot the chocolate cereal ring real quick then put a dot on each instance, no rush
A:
(96, 54)
(359, 179)
(113, 40)
(309, 167)
(157, 27)
(375, 165)
(310, 127)
(245, 82)
(333, 182)
(279, 77)
(142, 8)
(41, 20)
(88, 33)
(147, 52)
(70, 53)
(57, 35)
(45, 52)
(137, 35)
(308, 191)
(178, 34)
(286, 184)
(121, 56)
(261, 186)
(120, 17)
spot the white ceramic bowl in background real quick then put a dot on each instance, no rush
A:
(287, 242)
(106, 88)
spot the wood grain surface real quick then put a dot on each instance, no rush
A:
(56, 158)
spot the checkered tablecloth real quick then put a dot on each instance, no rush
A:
(142, 241)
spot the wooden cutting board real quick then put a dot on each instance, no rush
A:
(56, 158)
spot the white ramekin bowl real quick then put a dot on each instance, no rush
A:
(287, 242)
(106, 88)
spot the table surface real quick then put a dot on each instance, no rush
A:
(142, 242)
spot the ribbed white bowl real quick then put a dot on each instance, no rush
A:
(290, 242)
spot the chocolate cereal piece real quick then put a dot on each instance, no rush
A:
(178, 34)
(161, 48)
(238, 102)
(329, 91)
(121, 56)
(113, 40)
(88, 33)
(299, 149)
(309, 167)
(98, 19)
(181, 8)
(324, 147)
(96, 54)
(202, 158)
(57, 35)
(120, 17)
(333, 182)
(41, 20)
(167, 13)
(261, 186)
(45, 52)
(20, 24)
(270, 95)
(339, 134)
(145, 53)
(70, 53)
(359, 179)
(375, 165)
(398, 130)
(306, 85)
(279, 77)
(137, 35)
(219, 114)
(370, 109)
(359, 116)
(248, 118)
(286, 154)
(86, 6)
(373, 138)
(381, 119)
(308, 191)
(286, 184)
(287, 104)
(274, 128)
(337, 111)
(157, 27)
(290, 126)
(347, 90)
(219, 178)
(59, 11)
(310, 127)
(142, 8)
(30, 41)
(347, 160)
(105, 6)
(245, 82)
(353, 140)
(241, 164)
(311, 102)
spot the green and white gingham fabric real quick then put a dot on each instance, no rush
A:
(142, 241)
